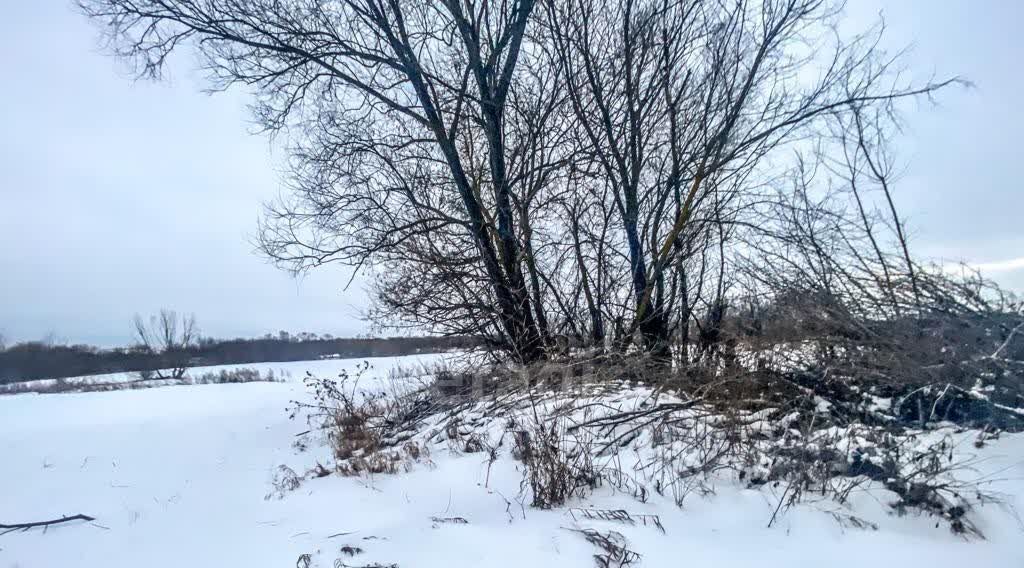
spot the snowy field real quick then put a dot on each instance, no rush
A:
(285, 371)
(177, 477)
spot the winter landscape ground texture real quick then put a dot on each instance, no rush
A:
(183, 476)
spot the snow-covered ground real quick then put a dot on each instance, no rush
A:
(177, 476)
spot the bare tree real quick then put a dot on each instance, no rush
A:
(587, 168)
(170, 337)
(682, 103)
(385, 98)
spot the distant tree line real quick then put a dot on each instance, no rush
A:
(46, 360)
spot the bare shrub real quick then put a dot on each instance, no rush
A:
(798, 442)
(369, 432)
(812, 436)
(389, 461)
(557, 466)
(351, 432)
(285, 481)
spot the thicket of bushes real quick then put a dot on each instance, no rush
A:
(683, 433)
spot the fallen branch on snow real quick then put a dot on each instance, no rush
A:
(26, 526)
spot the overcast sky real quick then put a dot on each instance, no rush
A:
(118, 197)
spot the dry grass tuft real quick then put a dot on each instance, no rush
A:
(612, 544)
